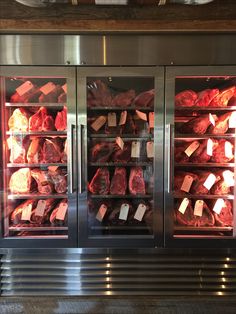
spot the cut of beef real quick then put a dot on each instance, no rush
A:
(122, 155)
(185, 98)
(101, 152)
(186, 219)
(52, 150)
(59, 180)
(19, 120)
(136, 181)
(119, 182)
(61, 120)
(98, 95)
(41, 121)
(100, 183)
(34, 153)
(54, 219)
(49, 204)
(62, 98)
(17, 212)
(225, 218)
(124, 99)
(200, 155)
(179, 179)
(129, 126)
(17, 98)
(205, 97)
(44, 181)
(180, 155)
(51, 97)
(113, 218)
(20, 181)
(222, 99)
(141, 126)
(221, 125)
(64, 153)
(219, 153)
(198, 185)
(207, 219)
(145, 99)
(197, 125)
(18, 146)
(220, 188)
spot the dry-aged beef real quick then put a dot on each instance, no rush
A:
(221, 125)
(113, 218)
(124, 99)
(65, 152)
(19, 120)
(26, 97)
(145, 99)
(200, 155)
(205, 97)
(180, 155)
(207, 219)
(222, 99)
(53, 217)
(186, 219)
(119, 182)
(44, 181)
(136, 181)
(17, 212)
(98, 95)
(20, 181)
(219, 153)
(198, 185)
(51, 97)
(34, 153)
(101, 152)
(49, 204)
(41, 121)
(141, 126)
(197, 125)
(179, 178)
(18, 146)
(52, 150)
(100, 183)
(122, 155)
(62, 98)
(220, 188)
(185, 98)
(129, 126)
(225, 218)
(59, 180)
(61, 120)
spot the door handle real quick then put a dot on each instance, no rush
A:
(169, 128)
(81, 159)
(72, 159)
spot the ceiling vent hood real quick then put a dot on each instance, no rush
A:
(44, 3)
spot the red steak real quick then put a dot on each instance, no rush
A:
(136, 181)
(101, 152)
(122, 155)
(225, 218)
(44, 181)
(100, 183)
(145, 99)
(119, 182)
(205, 97)
(59, 180)
(219, 152)
(222, 99)
(124, 99)
(98, 95)
(41, 121)
(49, 204)
(52, 150)
(198, 125)
(61, 120)
(185, 98)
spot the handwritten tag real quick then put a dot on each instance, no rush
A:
(151, 120)
(9, 142)
(211, 119)
(228, 150)
(191, 148)
(98, 123)
(198, 208)
(210, 181)
(48, 88)
(140, 212)
(64, 87)
(183, 206)
(141, 115)
(52, 168)
(120, 142)
(101, 212)
(26, 213)
(228, 177)
(61, 212)
(124, 210)
(135, 150)
(186, 185)
(232, 120)
(209, 147)
(24, 88)
(112, 119)
(219, 204)
(150, 149)
(123, 117)
(40, 209)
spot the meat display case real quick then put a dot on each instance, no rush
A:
(200, 156)
(38, 132)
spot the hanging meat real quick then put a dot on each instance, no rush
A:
(205, 97)
(221, 125)
(61, 120)
(223, 152)
(98, 94)
(124, 99)
(222, 99)
(198, 125)
(145, 99)
(17, 212)
(44, 217)
(101, 152)
(19, 120)
(44, 181)
(100, 183)
(136, 181)
(122, 155)
(41, 121)
(119, 182)
(52, 150)
(20, 181)
(186, 98)
(225, 218)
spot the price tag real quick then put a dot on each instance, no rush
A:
(151, 120)
(39, 210)
(124, 210)
(219, 204)
(120, 142)
(48, 88)
(150, 149)
(211, 119)
(9, 142)
(198, 208)
(210, 181)
(52, 168)
(123, 117)
(135, 150)
(232, 120)
(228, 177)
(209, 147)
(101, 212)
(61, 212)
(26, 213)
(186, 185)
(228, 150)
(141, 115)
(191, 148)
(140, 212)
(24, 88)
(112, 119)
(98, 123)
(183, 206)
(64, 87)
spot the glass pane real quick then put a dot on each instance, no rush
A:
(34, 137)
(120, 117)
(204, 155)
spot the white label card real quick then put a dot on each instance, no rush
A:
(228, 177)
(120, 142)
(135, 151)
(210, 181)
(198, 208)
(98, 123)
(123, 117)
(24, 88)
(26, 213)
(9, 142)
(209, 147)
(52, 168)
(141, 115)
(112, 119)
(39, 210)
(183, 206)
(48, 88)
(232, 120)
(219, 204)
(61, 212)
(151, 120)
(124, 210)
(64, 87)
(211, 119)
(187, 182)
(101, 212)
(150, 149)
(140, 212)
(228, 150)
(191, 148)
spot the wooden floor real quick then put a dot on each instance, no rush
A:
(106, 305)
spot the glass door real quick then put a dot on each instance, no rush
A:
(38, 132)
(120, 199)
(200, 156)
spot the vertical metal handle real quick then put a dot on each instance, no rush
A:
(72, 160)
(169, 158)
(80, 153)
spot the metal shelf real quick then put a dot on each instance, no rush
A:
(38, 133)
(41, 104)
(126, 227)
(204, 165)
(121, 196)
(203, 196)
(203, 136)
(12, 165)
(211, 229)
(123, 136)
(120, 164)
(228, 108)
(132, 108)
(36, 227)
(36, 196)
